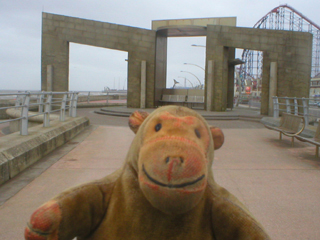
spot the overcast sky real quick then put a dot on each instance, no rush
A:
(93, 68)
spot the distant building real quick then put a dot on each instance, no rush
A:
(315, 86)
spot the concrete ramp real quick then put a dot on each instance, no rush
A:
(18, 152)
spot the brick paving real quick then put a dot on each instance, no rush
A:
(278, 183)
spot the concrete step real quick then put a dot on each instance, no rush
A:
(113, 113)
(206, 116)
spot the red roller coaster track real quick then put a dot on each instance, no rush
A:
(279, 9)
(282, 17)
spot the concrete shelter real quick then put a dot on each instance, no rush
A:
(286, 63)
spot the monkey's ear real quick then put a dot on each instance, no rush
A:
(136, 119)
(217, 136)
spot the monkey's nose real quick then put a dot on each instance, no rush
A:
(174, 159)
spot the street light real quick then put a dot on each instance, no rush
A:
(196, 45)
(195, 65)
(187, 80)
(174, 83)
(195, 77)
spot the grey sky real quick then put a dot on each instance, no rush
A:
(94, 68)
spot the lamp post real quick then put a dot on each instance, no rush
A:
(187, 80)
(195, 77)
(196, 45)
(203, 46)
(195, 65)
(174, 83)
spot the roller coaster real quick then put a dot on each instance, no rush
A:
(282, 17)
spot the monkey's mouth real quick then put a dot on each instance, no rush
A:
(169, 185)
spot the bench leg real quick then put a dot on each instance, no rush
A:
(292, 141)
(317, 151)
(280, 135)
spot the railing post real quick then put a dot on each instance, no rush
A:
(71, 104)
(74, 104)
(40, 102)
(288, 105)
(305, 110)
(63, 108)
(296, 109)
(88, 97)
(275, 107)
(47, 109)
(19, 100)
(24, 115)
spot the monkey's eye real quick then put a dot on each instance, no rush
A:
(158, 127)
(197, 133)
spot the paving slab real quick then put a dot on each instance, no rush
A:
(101, 153)
(278, 183)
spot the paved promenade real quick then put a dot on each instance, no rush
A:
(279, 184)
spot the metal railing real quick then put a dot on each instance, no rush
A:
(45, 102)
(93, 96)
(305, 107)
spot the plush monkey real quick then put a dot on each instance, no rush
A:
(165, 190)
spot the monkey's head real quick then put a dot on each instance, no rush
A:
(174, 156)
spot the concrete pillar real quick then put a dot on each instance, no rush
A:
(160, 65)
(209, 85)
(143, 84)
(49, 77)
(272, 85)
(230, 88)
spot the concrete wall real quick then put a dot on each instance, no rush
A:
(175, 91)
(178, 91)
(19, 152)
(228, 21)
(5, 103)
(161, 65)
(292, 51)
(58, 31)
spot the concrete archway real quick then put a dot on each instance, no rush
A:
(58, 31)
(288, 54)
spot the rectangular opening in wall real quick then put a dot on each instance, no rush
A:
(186, 62)
(248, 78)
(99, 74)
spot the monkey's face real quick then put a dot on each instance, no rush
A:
(173, 164)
